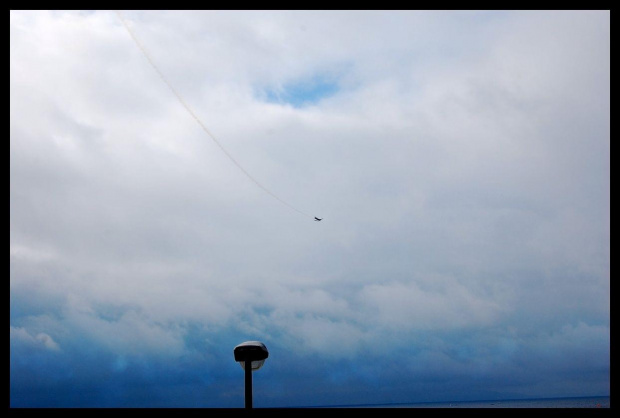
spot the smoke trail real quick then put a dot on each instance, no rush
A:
(197, 119)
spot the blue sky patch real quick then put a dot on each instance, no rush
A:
(303, 92)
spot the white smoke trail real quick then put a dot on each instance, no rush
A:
(197, 119)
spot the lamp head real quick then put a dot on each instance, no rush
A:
(254, 351)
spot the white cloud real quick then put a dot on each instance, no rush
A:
(129, 332)
(41, 340)
(30, 254)
(409, 306)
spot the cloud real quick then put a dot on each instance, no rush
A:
(438, 306)
(40, 341)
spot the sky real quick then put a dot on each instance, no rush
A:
(160, 216)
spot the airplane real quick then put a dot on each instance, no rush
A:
(318, 219)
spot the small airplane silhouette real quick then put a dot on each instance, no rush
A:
(318, 219)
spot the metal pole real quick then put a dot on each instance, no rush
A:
(248, 384)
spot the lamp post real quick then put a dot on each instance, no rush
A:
(251, 356)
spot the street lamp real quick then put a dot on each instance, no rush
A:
(251, 356)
